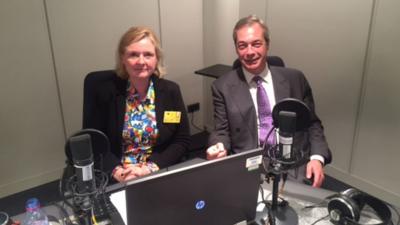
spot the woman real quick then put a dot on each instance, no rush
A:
(142, 114)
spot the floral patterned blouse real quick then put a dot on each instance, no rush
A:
(140, 131)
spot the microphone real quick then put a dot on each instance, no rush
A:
(82, 157)
(287, 128)
(86, 184)
(100, 146)
(289, 116)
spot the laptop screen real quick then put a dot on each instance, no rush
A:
(222, 191)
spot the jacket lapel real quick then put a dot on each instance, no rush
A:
(120, 96)
(239, 91)
(281, 85)
(159, 94)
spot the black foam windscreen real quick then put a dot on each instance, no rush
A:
(100, 143)
(81, 149)
(287, 122)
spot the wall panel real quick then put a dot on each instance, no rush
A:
(376, 156)
(182, 41)
(31, 134)
(219, 18)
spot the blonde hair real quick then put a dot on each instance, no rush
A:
(135, 34)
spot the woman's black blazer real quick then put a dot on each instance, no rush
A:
(104, 109)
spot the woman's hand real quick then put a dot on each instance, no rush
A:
(134, 171)
(120, 173)
(131, 171)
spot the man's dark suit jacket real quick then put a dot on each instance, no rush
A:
(104, 109)
(236, 119)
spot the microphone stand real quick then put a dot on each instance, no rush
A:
(83, 203)
(289, 115)
(276, 176)
(279, 214)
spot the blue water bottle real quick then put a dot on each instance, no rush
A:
(34, 214)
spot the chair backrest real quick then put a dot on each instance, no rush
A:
(271, 60)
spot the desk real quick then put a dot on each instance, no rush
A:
(53, 213)
(298, 195)
(214, 71)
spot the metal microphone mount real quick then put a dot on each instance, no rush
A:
(279, 162)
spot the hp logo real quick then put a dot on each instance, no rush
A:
(200, 204)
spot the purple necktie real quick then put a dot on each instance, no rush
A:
(264, 113)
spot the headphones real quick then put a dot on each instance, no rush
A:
(346, 207)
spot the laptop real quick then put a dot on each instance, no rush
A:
(217, 192)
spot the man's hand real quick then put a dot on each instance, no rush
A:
(216, 151)
(315, 171)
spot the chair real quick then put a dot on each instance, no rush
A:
(271, 60)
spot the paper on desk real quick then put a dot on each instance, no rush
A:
(119, 201)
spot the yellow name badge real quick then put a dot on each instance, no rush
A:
(172, 117)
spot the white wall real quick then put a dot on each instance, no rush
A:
(219, 17)
(252, 7)
(182, 40)
(31, 134)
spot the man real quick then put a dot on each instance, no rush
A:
(238, 125)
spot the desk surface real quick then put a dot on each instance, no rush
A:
(214, 71)
(298, 195)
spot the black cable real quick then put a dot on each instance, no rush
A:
(64, 213)
(323, 203)
(283, 202)
(320, 219)
(265, 142)
(272, 153)
(261, 190)
(62, 192)
(192, 122)
(268, 205)
(397, 213)
(79, 198)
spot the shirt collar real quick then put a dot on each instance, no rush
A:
(265, 75)
(149, 95)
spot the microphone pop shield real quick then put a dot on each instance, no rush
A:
(296, 106)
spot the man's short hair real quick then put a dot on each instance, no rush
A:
(248, 21)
